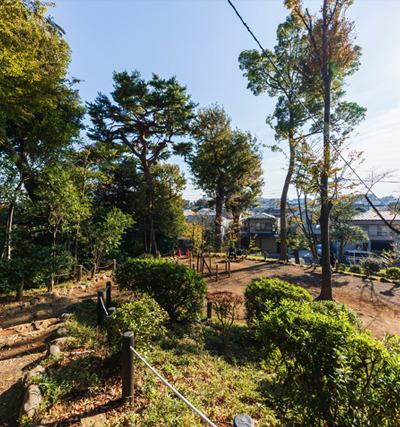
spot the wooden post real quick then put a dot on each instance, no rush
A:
(128, 369)
(216, 272)
(108, 291)
(229, 268)
(114, 265)
(93, 271)
(80, 271)
(50, 287)
(209, 310)
(265, 256)
(111, 311)
(100, 309)
(198, 260)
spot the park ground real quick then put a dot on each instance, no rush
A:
(26, 327)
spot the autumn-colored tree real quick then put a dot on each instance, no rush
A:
(333, 55)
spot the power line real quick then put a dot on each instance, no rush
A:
(302, 104)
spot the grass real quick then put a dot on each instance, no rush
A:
(221, 384)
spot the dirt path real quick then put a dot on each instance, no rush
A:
(26, 328)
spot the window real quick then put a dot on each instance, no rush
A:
(260, 226)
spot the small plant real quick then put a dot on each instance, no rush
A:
(226, 304)
(257, 294)
(144, 317)
(393, 273)
(179, 290)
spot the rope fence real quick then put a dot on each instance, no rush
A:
(128, 361)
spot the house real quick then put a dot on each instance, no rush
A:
(263, 228)
(380, 235)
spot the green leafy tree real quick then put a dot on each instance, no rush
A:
(146, 117)
(126, 190)
(289, 116)
(224, 161)
(40, 113)
(341, 230)
(333, 56)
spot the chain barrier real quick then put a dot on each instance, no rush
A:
(173, 389)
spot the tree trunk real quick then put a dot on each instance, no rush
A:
(150, 238)
(236, 225)
(339, 260)
(20, 288)
(296, 256)
(7, 245)
(326, 287)
(283, 232)
(218, 223)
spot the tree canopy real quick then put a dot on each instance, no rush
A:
(224, 161)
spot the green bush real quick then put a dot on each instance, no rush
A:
(144, 317)
(328, 372)
(179, 290)
(374, 264)
(355, 268)
(393, 273)
(271, 291)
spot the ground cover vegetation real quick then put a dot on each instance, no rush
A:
(297, 362)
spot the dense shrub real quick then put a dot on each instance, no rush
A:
(271, 291)
(393, 273)
(329, 373)
(179, 290)
(373, 263)
(144, 317)
(355, 268)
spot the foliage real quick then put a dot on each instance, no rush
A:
(224, 163)
(269, 293)
(374, 264)
(32, 265)
(355, 268)
(144, 317)
(226, 304)
(179, 290)
(393, 273)
(105, 234)
(392, 257)
(328, 372)
(145, 118)
(341, 214)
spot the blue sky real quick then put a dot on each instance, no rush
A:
(199, 42)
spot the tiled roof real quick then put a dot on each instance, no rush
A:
(260, 216)
(371, 215)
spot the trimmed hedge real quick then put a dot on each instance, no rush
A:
(328, 373)
(270, 292)
(179, 290)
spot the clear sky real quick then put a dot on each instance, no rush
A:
(199, 42)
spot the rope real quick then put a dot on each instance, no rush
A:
(106, 265)
(66, 274)
(104, 307)
(172, 388)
